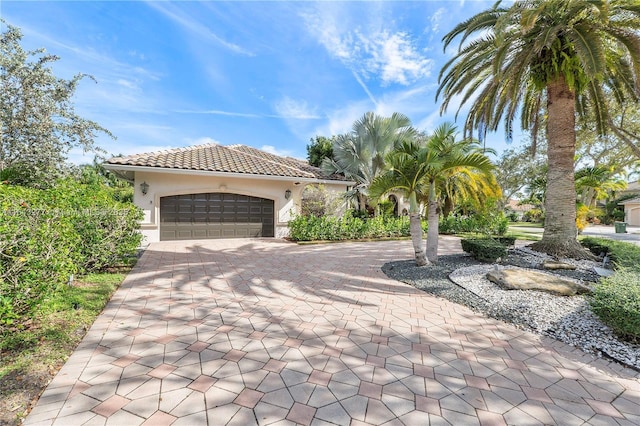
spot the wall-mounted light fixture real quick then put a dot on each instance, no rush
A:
(144, 187)
(287, 194)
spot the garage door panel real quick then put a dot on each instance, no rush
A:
(215, 215)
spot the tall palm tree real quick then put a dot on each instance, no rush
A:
(570, 57)
(408, 168)
(448, 157)
(360, 154)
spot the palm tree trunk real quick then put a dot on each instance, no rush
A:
(560, 232)
(432, 220)
(415, 228)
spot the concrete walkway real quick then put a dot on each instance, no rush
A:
(244, 332)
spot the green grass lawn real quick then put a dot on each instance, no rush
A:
(525, 225)
(32, 353)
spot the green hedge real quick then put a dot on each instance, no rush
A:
(616, 301)
(493, 224)
(47, 235)
(622, 254)
(329, 228)
(484, 249)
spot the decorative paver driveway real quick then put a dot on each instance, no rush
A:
(265, 332)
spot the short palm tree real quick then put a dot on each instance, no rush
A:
(408, 168)
(559, 57)
(597, 183)
(416, 166)
(449, 157)
(360, 154)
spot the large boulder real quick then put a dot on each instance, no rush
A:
(526, 279)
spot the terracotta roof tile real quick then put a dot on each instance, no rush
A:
(227, 159)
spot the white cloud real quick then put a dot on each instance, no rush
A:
(192, 25)
(295, 109)
(391, 56)
(396, 59)
(436, 18)
(204, 140)
(219, 112)
(273, 150)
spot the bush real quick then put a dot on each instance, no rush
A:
(484, 249)
(616, 300)
(48, 234)
(622, 254)
(490, 224)
(534, 215)
(312, 228)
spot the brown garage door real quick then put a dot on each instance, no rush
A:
(215, 215)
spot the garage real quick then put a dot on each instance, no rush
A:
(215, 215)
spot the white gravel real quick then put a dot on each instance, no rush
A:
(568, 319)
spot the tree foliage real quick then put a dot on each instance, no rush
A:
(38, 122)
(360, 154)
(318, 149)
(561, 57)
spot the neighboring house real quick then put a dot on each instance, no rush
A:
(632, 211)
(632, 206)
(633, 188)
(214, 191)
(518, 207)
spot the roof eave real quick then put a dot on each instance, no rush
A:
(130, 168)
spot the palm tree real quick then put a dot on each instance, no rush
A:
(466, 185)
(597, 183)
(448, 157)
(572, 57)
(409, 166)
(360, 154)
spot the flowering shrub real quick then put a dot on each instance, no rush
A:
(48, 234)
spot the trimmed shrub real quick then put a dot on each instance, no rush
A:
(622, 254)
(492, 224)
(329, 228)
(48, 234)
(616, 301)
(484, 249)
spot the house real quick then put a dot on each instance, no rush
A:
(632, 211)
(632, 206)
(214, 191)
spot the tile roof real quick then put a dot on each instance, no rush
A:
(226, 159)
(631, 201)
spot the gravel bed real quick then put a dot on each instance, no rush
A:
(461, 279)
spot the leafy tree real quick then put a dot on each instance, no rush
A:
(318, 149)
(360, 154)
(610, 150)
(515, 169)
(567, 57)
(38, 123)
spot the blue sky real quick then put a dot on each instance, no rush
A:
(266, 74)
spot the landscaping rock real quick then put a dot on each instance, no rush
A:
(524, 279)
(555, 265)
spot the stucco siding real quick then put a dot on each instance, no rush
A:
(166, 184)
(632, 214)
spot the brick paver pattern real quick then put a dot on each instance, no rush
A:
(242, 332)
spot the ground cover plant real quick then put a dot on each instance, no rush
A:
(616, 299)
(33, 353)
